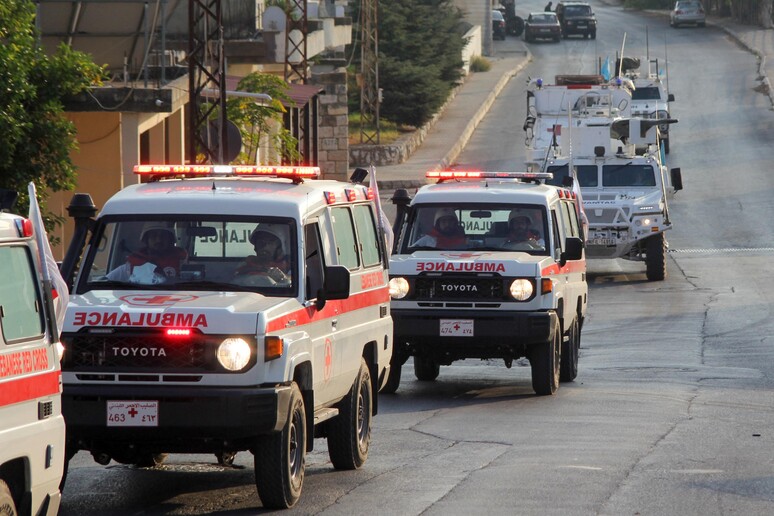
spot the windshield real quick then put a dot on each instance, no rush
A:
(628, 175)
(492, 227)
(208, 253)
(577, 10)
(646, 93)
(586, 174)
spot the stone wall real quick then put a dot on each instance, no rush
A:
(333, 130)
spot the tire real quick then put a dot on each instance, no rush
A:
(349, 433)
(544, 360)
(593, 35)
(702, 24)
(7, 505)
(393, 379)
(568, 370)
(280, 458)
(655, 257)
(425, 369)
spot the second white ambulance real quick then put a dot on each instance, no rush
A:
(489, 265)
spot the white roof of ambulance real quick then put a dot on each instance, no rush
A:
(489, 190)
(214, 196)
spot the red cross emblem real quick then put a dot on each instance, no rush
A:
(132, 411)
(156, 299)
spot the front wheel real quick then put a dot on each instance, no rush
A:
(349, 433)
(655, 257)
(280, 458)
(570, 352)
(426, 369)
(7, 504)
(544, 360)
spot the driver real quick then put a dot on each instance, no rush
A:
(520, 230)
(158, 258)
(269, 260)
(446, 233)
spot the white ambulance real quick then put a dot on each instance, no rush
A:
(32, 429)
(219, 309)
(489, 265)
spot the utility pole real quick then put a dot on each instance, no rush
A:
(206, 71)
(370, 96)
(296, 30)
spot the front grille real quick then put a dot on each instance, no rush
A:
(138, 351)
(455, 287)
(608, 215)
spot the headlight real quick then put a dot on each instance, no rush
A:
(399, 288)
(234, 353)
(522, 289)
(643, 222)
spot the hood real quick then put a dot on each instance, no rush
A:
(503, 263)
(210, 312)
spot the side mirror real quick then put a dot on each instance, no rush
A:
(573, 250)
(671, 97)
(677, 179)
(335, 285)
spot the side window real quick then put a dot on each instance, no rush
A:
(313, 260)
(366, 233)
(557, 236)
(574, 221)
(344, 234)
(569, 219)
(20, 303)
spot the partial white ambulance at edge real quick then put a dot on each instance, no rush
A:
(32, 429)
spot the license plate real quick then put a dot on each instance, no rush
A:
(132, 413)
(545, 30)
(602, 241)
(456, 327)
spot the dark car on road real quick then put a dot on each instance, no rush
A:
(576, 18)
(498, 25)
(542, 25)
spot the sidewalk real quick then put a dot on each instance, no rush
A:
(453, 129)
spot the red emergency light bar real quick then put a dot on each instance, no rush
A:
(447, 175)
(227, 170)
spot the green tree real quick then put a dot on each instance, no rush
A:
(259, 120)
(420, 56)
(35, 137)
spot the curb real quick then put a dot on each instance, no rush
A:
(455, 151)
(755, 51)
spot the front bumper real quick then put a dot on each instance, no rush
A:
(190, 420)
(501, 334)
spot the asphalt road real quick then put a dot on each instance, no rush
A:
(671, 412)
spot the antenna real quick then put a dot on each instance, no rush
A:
(620, 62)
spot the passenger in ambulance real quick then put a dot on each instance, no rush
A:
(446, 233)
(520, 232)
(156, 261)
(270, 260)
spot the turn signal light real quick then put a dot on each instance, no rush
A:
(273, 347)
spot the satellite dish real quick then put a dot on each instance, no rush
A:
(233, 146)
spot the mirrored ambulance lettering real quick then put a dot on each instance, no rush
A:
(141, 319)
